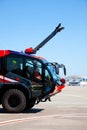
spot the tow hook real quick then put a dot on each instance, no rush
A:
(45, 99)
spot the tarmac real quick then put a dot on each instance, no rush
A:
(66, 111)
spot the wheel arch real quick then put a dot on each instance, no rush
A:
(23, 88)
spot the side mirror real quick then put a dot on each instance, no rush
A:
(57, 70)
(64, 71)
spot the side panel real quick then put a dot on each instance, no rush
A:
(1, 71)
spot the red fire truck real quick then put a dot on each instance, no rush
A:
(27, 79)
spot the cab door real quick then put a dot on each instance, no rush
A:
(33, 70)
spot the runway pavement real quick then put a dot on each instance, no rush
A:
(66, 111)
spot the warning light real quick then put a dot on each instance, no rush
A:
(30, 51)
(63, 80)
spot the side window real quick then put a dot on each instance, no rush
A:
(47, 75)
(33, 69)
(38, 67)
(28, 68)
(15, 65)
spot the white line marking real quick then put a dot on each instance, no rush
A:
(2, 123)
(8, 122)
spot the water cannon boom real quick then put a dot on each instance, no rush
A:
(33, 51)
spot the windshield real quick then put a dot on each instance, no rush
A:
(53, 71)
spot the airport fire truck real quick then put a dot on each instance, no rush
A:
(27, 79)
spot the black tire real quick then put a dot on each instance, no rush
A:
(14, 101)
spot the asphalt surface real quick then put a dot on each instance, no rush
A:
(66, 111)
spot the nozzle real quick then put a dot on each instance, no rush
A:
(59, 28)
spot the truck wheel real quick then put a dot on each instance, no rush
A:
(14, 101)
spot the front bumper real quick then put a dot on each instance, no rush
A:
(57, 90)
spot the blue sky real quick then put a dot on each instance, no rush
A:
(25, 23)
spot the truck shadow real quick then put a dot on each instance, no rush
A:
(1, 110)
(33, 110)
